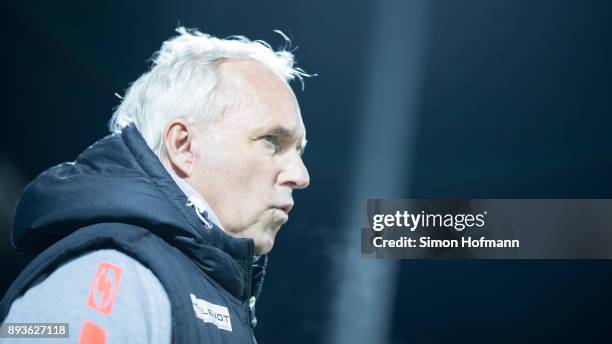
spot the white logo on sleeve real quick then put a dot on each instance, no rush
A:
(211, 313)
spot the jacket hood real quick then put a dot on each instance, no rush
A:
(120, 180)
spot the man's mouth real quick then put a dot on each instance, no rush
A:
(286, 208)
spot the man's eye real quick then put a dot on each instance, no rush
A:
(270, 138)
(273, 140)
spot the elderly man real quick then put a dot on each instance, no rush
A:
(159, 232)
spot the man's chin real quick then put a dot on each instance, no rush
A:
(263, 245)
(264, 231)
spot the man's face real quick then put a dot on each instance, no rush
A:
(247, 163)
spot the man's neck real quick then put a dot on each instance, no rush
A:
(194, 196)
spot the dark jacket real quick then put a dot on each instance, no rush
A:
(118, 195)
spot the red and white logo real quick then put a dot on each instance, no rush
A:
(104, 288)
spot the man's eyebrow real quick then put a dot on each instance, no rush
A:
(280, 132)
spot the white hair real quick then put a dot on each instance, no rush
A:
(183, 80)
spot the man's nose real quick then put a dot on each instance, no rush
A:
(295, 174)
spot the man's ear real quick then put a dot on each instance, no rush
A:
(178, 147)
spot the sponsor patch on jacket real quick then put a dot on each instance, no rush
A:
(104, 288)
(211, 313)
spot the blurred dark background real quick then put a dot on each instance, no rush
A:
(513, 100)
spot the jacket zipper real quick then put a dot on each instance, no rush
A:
(199, 210)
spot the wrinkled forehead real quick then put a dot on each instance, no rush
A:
(254, 88)
(283, 121)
